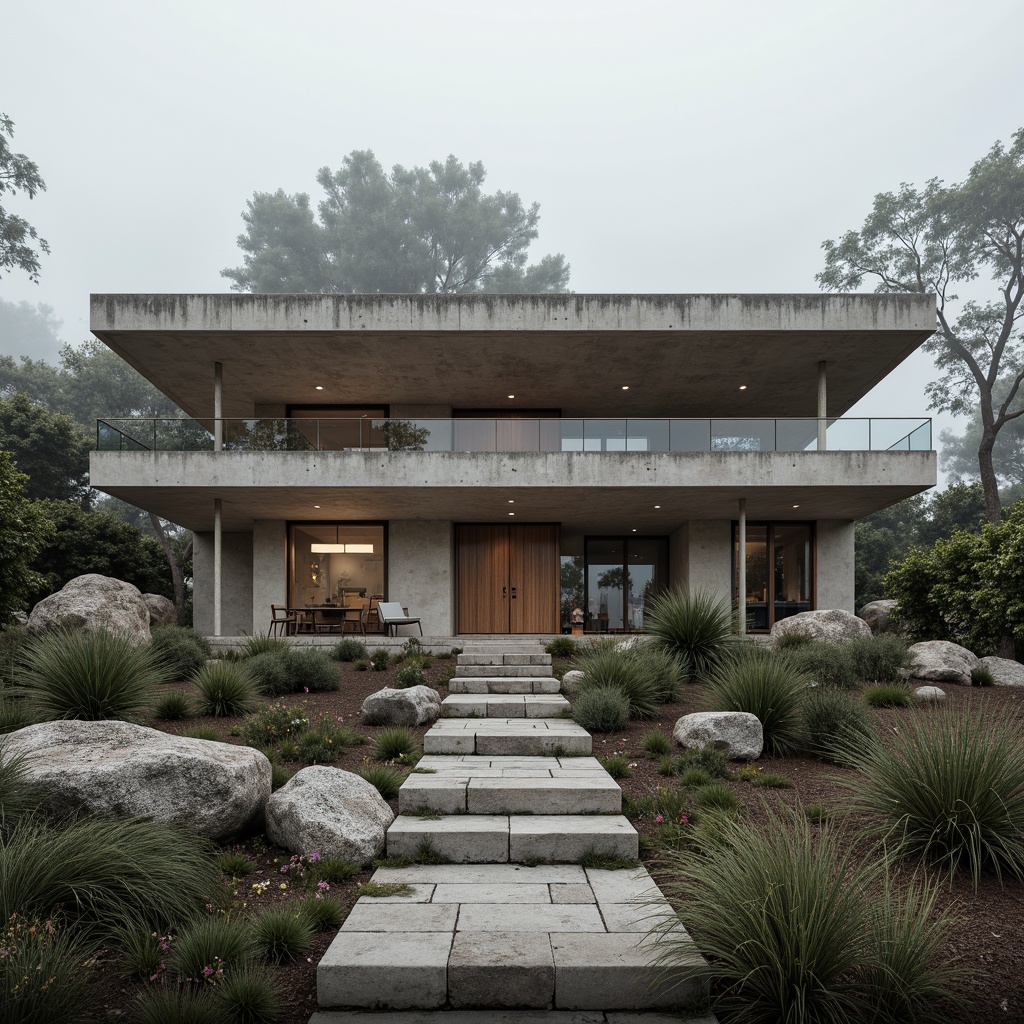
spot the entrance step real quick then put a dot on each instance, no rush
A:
(504, 658)
(500, 937)
(502, 1017)
(502, 669)
(516, 838)
(506, 737)
(504, 705)
(506, 684)
(510, 785)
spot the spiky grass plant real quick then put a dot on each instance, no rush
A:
(385, 779)
(627, 671)
(394, 744)
(601, 709)
(561, 647)
(697, 626)
(656, 744)
(225, 689)
(616, 766)
(203, 732)
(91, 676)
(667, 765)
(831, 719)
(211, 948)
(889, 695)
(717, 796)
(264, 643)
(250, 996)
(324, 914)
(42, 971)
(982, 676)
(13, 713)
(879, 659)
(708, 759)
(180, 651)
(667, 672)
(948, 788)
(16, 798)
(169, 1004)
(767, 686)
(788, 935)
(333, 870)
(234, 865)
(282, 935)
(172, 707)
(828, 665)
(693, 778)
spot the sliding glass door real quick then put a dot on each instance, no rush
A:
(780, 571)
(621, 576)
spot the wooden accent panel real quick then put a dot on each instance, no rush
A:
(534, 578)
(482, 578)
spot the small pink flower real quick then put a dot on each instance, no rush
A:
(659, 818)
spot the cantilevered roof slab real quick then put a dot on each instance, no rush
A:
(678, 355)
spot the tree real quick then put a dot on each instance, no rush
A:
(24, 530)
(29, 328)
(49, 447)
(18, 239)
(937, 239)
(422, 230)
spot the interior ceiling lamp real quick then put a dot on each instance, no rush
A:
(337, 548)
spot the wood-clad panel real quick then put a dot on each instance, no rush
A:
(482, 575)
(534, 578)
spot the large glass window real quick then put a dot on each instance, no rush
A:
(622, 574)
(780, 571)
(335, 563)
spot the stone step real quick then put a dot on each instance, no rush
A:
(510, 785)
(506, 736)
(503, 1017)
(504, 658)
(495, 671)
(504, 705)
(501, 937)
(507, 684)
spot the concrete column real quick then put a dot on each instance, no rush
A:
(218, 408)
(218, 563)
(741, 560)
(822, 407)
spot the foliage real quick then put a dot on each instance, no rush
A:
(832, 719)
(708, 759)
(180, 650)
(250, 996)
(74, 674)
(322, 741)
(169, 1004)
(826, 664)
(172, 707)
(665, 670)
(349, 650)
(323, 913)
(12, 641)
(282, 935)
(385, 779)
(948, 788)
(234, 865)
(269, 673)
(607, 668)
(224, 688)
(395, 744)
(264, 643)
(211, 948)
(692, 778)
(616, 766)
(360, 666)
(601, 709)
(16, 798)
(24, 530)
(409, 675)
(427, 229)
(561, 647)
(789, 936)
(888, 695)
(879, 658)
(717, 796)
(274, 723)
(982, 677)
(696, 626)
(932, 241)
(656, 743)
(311, 671)
(380, 659)
(767, 686)
(19, 241)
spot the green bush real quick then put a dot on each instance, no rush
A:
(616, 766)
(789, 936)
(180, 651)
(234, 865)
(380, 659)
(322, 742)
(717, 796)
(169, 1004)
(409, 675)
(349, 650)
(360, 666)
(947, 788)
(826, 664)
(250, 996)
(606, 668)
(982, 677)
(264, 643)
(212, 947)
(385, 779)
(172, 707)
(561, 647)
(832, 719)
(765, 685)
(656, 744)
(708, 759)
(889, 695)
(92, 676)
(696, 626)
(601, 709)
(663, 669)
(395, 744)
(311, 671)
(224, 689)
(274, 723)
(323, 913)
(282, 935)
(879, 659)
(269, 673)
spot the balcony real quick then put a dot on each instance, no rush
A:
(839, 434)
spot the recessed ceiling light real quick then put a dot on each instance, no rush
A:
(511, 396)
(316, 506)
(511, 513)
(657, 506)
(625, 387)
(511, 501)
(796, 506)
(319, 387)
(634, 529)
(743, 387)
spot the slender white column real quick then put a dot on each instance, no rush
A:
(822, 406)
(218, 556)
(741, 563)
(218, 407)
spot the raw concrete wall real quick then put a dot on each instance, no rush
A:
(709, 556)
(269, 569)
(835, 564)
(236, 585)
(679, 558)
(421, 572)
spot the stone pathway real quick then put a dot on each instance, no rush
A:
(513, 923)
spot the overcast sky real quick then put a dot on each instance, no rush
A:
(689, 146)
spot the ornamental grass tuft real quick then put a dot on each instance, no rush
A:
(889, 695)
(832, 718)
(385, 779)
(212, 947)
(633, 673)
(879, 659)
(395, 744)
(225, 689)
(697, 626)
(656, 744)
(601, 709)
(180, 651)
(264, 643)
(282, 935)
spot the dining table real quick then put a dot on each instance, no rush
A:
(326, 618)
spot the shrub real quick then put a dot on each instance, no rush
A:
(73, 674)
(323, 913)
(385, 779)
(42, 972)
(604, 668)
(321, 743)
(832, 719)
(889, 695)
(696, 626)
(708, 759)
(360, 666)
(311, 670)
(602, 709)
(561, 647)
(180, 651)
(616, 766)
(409, 675)
(982, 677)
(234, 865)
(264, 643)
(210, 948)
(348, 650)
(172, 707)
(274, 723)
(666, 765)
(826, 664)
(693, 778)
(656, 743)
(269, 673)
(250, 997)
(949, 789)
(380, 659)
(879, 659)
(282, 935)
(395, 744)
(169, 1004)
(717, 796)
(224, 689)
(663, 669)
(767, 686)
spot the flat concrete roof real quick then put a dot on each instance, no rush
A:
(679, 355)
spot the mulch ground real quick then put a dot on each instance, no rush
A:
(989, 924)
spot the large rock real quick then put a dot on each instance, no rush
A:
(161, 611)
(736, 733)
(331, 812)
(212, 789)
(414, 705)
(1004, 671)
(877, 615)
(572, 680)
(831, 626)
(942, 661)
(92, 603)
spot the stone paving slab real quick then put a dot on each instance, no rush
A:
(462, 838)
(506, 736)
(369, 915)
(483, 874)
(504, 670)
(504, 705)
(498, 1016)
(494, 892)
(569, 837)
(501, 969)
(584, 795)
(519, 917)
(488, 684)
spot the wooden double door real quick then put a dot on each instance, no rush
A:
(507, 577)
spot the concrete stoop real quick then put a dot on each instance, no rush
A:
(504, 1017)
(504, 705)
(504, 684)
(506, 736)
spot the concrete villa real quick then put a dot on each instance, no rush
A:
(507, 464)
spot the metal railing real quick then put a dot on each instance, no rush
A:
(526, 435)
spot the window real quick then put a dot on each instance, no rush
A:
(339, 563)
(621, 575)
(780, 571)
